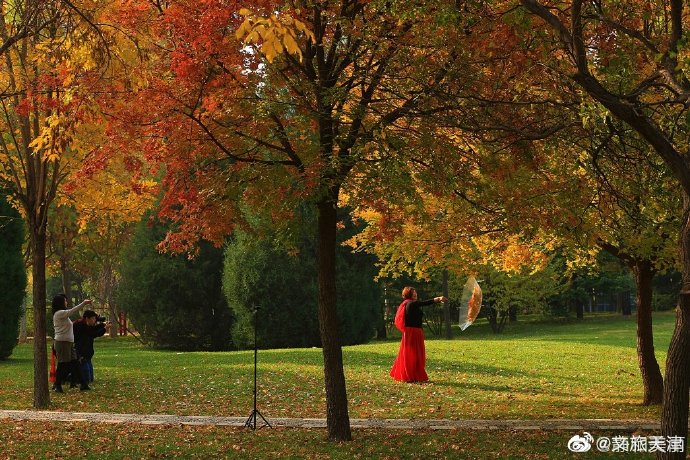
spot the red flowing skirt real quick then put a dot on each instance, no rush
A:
(411, 361)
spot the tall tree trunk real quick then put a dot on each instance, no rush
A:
(573, 303)
(625, 308)
(108, 286)
(381, 332)
(446, 306)
(674, 413)
(643, 270)
(66, 280)
(38, 242)
(337, 417)
(22, 321)
(386, 313)
(114, 321)
(652, 380)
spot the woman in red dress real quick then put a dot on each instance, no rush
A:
(410, 364)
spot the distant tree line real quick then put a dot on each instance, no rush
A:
(207, 302)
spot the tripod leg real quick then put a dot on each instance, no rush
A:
(262, 418)
(251, 421)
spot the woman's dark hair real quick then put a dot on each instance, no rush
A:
(59, 302)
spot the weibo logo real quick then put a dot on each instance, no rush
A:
(581, 443)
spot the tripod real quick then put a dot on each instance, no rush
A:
(251, 421)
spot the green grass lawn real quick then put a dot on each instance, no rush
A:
(31, 439)
(565, 369)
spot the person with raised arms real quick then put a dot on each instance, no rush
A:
(64, 342)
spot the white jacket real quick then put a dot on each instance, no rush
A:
(63, 325)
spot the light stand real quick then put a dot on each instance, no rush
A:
(251, 421)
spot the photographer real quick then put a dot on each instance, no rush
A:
(86, 330)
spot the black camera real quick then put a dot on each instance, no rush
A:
(101, 319)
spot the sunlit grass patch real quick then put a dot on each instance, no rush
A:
(569, 369)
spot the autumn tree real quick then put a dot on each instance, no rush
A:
(47, 67)
(634, 219)
(588, 181)
(106, 204)
(290, 102)
(548, 169)
(629, 58)
(624, 205)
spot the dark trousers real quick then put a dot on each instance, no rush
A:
(72, 370)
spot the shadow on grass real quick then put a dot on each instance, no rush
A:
(608, 330)
(14, 361)
(496, 388)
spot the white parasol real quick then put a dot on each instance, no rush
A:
(470, 302)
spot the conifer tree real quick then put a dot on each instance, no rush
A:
(12, 276)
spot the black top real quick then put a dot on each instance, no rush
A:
(84, 335)
(414, 314)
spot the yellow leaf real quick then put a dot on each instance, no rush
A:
(260, 29)
(291, 45)
(51, 156)
(269, 50)
(37, 144)
(252, 37)
(275, 34)
(243, 30)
